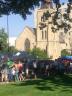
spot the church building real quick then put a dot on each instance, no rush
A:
(43, 36)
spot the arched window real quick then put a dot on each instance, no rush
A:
(27, 44)
(61, 37)
(42, 34)
(46, 49)
(45, 34)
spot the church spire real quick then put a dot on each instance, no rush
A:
(47, 4)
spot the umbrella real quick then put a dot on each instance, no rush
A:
(67, 57)
(22, 55)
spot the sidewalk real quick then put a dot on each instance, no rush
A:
(4, 83)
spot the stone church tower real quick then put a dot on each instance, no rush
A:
(46, 39)
(42, 36)
(47, 4)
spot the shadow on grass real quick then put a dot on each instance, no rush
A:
(45, 88)
(62, 80)
(51, 83)
(66, 90)
(40, 84)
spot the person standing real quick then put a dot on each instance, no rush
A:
(20, 67)
(13, 73)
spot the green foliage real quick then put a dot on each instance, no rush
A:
(63, 23)
(53, 86)
(24, 7)
(3, 40)
(21, 7)
(38, 53)
(54, 30)
(46, 15)
(54, 18)
(12, 49)
(4, 48)
(64, 52)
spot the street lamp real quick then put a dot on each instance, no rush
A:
(8, 31)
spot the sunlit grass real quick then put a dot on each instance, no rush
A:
(53, 86)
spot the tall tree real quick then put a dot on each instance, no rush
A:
(22, 7)
(3, 40)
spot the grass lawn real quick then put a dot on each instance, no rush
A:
(57, 86)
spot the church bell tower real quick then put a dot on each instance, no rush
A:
(44, 35)
(46, 4)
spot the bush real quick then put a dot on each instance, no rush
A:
(38, 53)
(64, 52)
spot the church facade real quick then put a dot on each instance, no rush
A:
(43, 36)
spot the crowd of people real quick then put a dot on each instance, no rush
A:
(13, 72)
(18, 71)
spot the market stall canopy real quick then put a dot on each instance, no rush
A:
(67, 57)
(22, 55)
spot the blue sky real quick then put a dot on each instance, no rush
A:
(17, 23)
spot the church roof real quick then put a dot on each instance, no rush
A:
(33, 30)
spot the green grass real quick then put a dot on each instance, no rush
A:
(53, 86)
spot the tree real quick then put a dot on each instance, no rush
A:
(3, 40)
(4, 47)
(64, 52)
(23, 7)
(38, 53)
(60, 21)
(12, 49)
